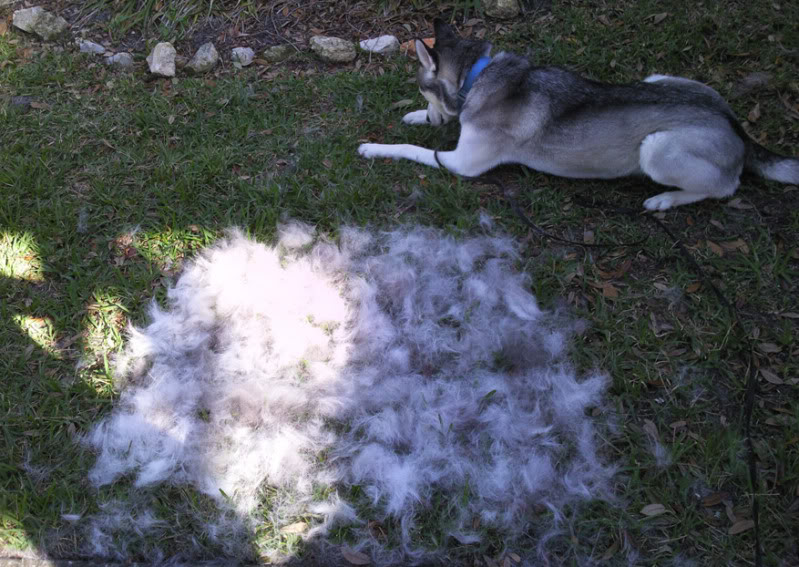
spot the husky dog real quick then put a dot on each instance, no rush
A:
(679, 132)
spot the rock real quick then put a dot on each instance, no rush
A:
(89, 47)
(502, 9)
(124, 60)
(162, 60)
(384, 44)
(6, 2)
(333, 49)
(205, 59)
(39, 21)
(242, 56)
(278, 53)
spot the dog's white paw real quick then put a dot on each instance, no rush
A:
(415, 117)
(660, 202)
(370, 150)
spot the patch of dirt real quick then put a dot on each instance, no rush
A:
(291, 22)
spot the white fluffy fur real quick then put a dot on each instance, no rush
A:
(413, 361)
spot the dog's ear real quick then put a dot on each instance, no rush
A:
(443, 31)
(427, 57)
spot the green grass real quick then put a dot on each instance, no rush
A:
(107, 188)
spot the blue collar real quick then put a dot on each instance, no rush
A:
(477, 68)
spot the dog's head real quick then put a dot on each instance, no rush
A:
(443, 68)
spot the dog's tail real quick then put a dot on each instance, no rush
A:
(766, 163)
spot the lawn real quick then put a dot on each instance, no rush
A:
(109, 182)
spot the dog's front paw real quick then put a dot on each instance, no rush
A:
(416, 117)
(369, 150)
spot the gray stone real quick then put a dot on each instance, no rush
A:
(502, 9)
(6, 2)
(333, 49)
(384, 44)
(90, 47)
(39, 21)
(242, 56)
(124, 60)
(162, 60)
(205, 59)
(278, 53)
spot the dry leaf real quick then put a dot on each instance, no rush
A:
(40, 105)
(354, 557)
(409, 47)
(604, 20)
(402, 103)
(611, 551)
(714, 499)
(657, 18)
(733, 245)
(769, 348)
(737, 204)
(769, 376)
(754, 114)
(715, 248)
(588, 236)
(609, 291)
(653, 510)
(515, 557)
(741, 526)
(693, 288)
(3, 27)
(295, 528)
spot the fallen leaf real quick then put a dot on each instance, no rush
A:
(741, 526)
(754, 114)
(3, 27)
(737, 204)
(40, 105)
(657, 18)
(295, 528)
(402, 103)
(769, 376)
(715, 248)
(611, 551)
(609, 291)
(714, 499)
(769, 348)
(515, 557)
(733, 245)
(653, 510)
(354, 557)
(693, 288)
(588, 236)
(409, 47)
(604, 20)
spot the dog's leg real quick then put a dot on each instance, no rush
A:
(416, 117)
(676, 159)
(473, 156)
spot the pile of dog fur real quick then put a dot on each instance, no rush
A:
(411, 364)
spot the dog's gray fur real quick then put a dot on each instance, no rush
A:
(679, 132)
